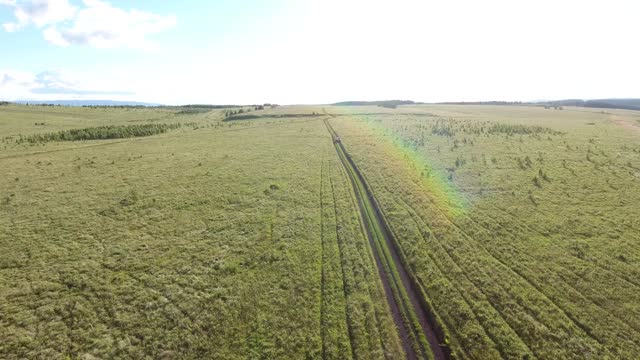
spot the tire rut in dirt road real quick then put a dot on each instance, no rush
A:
(410, 312)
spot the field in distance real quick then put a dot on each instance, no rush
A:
(148, 233)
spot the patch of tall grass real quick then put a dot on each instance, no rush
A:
(100, 133)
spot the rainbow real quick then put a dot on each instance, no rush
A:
(436, 183)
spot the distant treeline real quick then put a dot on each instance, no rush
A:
(482, 103)
(245, 116)
(43, 104)
(204, 106)
(236, 114)
(230, 109)
(215, 107)
(88, 106)
(628, 104)
(383, 103)
(231, 112)
(84, 102)
(104, 106)
(131, 105)
(100, 133)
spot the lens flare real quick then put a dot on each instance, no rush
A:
(438, 184)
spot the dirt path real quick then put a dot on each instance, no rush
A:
(420, 338)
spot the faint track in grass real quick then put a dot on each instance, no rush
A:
(371, 291)
(631, 281)
(511, 270)
(586, 297)
(323, 326)
(420, 338)
(457, 268)
(342, 262)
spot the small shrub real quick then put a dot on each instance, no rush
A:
(536, 182)
(511, 129)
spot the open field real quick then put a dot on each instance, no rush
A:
(522, 224)
(508, 232)
(220, 241)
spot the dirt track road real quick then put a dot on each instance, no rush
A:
(421, 339)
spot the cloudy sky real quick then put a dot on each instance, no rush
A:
(250, 51)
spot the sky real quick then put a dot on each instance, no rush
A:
(308, 51)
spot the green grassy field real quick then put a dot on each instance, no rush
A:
(522, 224)
(209, 241)
(243, 238)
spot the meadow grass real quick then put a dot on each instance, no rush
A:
(209, 241)
(236, 239)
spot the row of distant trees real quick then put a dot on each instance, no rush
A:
(384, 103)
(114, 106)
(84, 106)
(186, 107)
(215, 107)
(482, 103)
(100, 133)
(242, 110)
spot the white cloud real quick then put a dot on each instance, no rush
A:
(15, 85)
(332, 50)
(20, 85)
(97, 23)
(39, 12)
